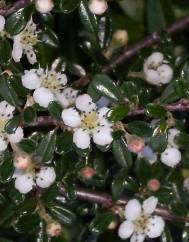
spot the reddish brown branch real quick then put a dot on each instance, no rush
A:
(11, 8)
(105, 199)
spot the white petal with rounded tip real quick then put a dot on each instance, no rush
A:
(3, 144)
(63, 100)
(149, 205)
(71, 117)
(149, 154)
(84, 103)
(30, 80)
(137, 238)
(102, 120)
(102, 102)
(98, 7)
(17, 136)
(102, 136)
(6, 110)
(44, 6)
(132, 210)
(81, 139)
(152, 77)
(30, 53)
(155, 59)
(45, 177)
(166, 73)
(155, 227)
(67, 97)
(125, 229)
(2, 23)
(171, 157)
(43, 96)
(17, 48)
(172, 133)
(24, 183)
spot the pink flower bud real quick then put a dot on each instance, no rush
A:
(44, 6)
(22, 161)
(88, 172)
(136, 144)
(54, 229)
(153, 185)
(98, 7)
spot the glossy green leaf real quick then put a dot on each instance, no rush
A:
(117, 113)
(155, 110)
(158, 142)
(64, 142)
(29, 115)
(143, 170)
(66, 6)
(140, 128)
(12, 124)
(28, 145)
(55, 110)
(6, 171)
(5, 48)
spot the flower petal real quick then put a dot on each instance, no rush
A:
(81, 139)
(102, 136)
(102, 112)
(84, 103)
(17, 136)
(17, 48)
(43, 96)
(31, 80)
(137, 237)
(71, 117)
(149, 205)
(3, 144)
(45, 177)
(155, 227)
(24, 183)
(30, 53)
(6, 110)
(132, 210)
(125, 229)
(2, 23)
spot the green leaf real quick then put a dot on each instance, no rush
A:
(155, 16)
(6, 214)
(101, 222)
(50, 194)
(28, 145)
(64, 142)
(143, 170)
(182, 140)
(46, 147)
(103, 85)
(55, 110)
(88, 19)
(118, 184)
(26, 207)
(121, 153)
(62, 214)
(7, 92)
(140, 128)
(29, 115)
(6, 171)
(155, 110)
(15, 23)
(66, 6)
(117, 113)
(158, 142)
(5, 48)
(12, 124)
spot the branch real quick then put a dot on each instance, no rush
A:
(181, 106)
(11, 8)
(133, 50)
(106, 200)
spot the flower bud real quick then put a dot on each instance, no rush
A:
(22, 161)
(112, 225)
(120, 38)
(88, 172)
(136, 144)
(44, 6)
(98, 7)
(153, 185)
(54, 229)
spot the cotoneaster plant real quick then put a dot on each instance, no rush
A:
(94, 121)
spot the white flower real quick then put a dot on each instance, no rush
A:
(44, 6)
(172, 133)
(24, 43)
(156, 71)
(67, 97)
(88, 121)
(24, 182)
(6, 113)
(171, 157)
(98, 7)
(47, 84)
(140, 221)
(2, 23)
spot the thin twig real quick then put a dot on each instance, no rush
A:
(128, 53)
(105, 199)
(11, 8)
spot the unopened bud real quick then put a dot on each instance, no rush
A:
(8, 72)
(22, 161)
(54, 229)
(120, 38)
(153, 185)
(136, 144)
(44, 6)
(98, 7)
(112, 225)
(88, 172)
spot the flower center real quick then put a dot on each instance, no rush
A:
(141, 223)
(29, 35)
(2, 125)
(53, 83)
(89, 121)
